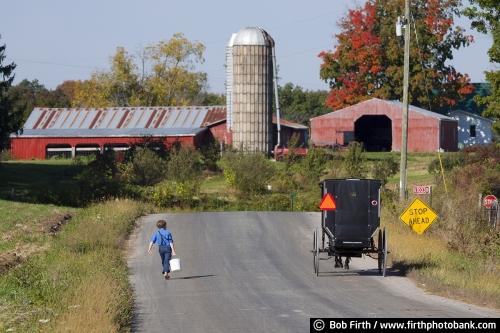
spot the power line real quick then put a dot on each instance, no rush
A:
(50, 63)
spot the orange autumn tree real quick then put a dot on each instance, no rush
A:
(368, 58)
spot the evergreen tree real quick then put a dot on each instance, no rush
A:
(9, 121)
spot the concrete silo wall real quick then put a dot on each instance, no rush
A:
(252, 98)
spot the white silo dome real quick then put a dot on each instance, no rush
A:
(253, 36)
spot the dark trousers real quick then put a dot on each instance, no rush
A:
(165, 255)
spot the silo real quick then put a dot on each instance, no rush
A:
(229, 82)
(252, 90)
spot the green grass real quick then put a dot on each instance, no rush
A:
(439, 269)
(417, 164)
(22, 223)
(29, 181)
(64, 284)
(80, 284)
(22, 183)
(214, 184)
(60, 280)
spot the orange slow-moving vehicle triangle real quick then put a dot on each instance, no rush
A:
(328, 202)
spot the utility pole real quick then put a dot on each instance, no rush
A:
(404, 120)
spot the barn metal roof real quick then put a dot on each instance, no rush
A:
(102, 132)
(126, 121)
(469, 114)
(421, 111)
(120, 121)
(412, 108)
(287, 123)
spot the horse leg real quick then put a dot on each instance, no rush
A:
(347, 261)
(338, 261)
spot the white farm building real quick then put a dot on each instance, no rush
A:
(472, 128)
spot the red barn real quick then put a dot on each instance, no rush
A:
(80, 131)
(71, 132)
(377, 123)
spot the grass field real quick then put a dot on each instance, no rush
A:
(58, 285)
(23, 220)
(214, 184)
(28, 181)
(439, 269)
(417, 164)
(80, 282)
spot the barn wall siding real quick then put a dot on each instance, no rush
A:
(220, 133)
(484, 134)
(424, 131)
(34, 148)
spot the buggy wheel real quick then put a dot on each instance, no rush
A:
(315, 248)
(385, 253)
(380, 252)
(317, 262)
(316, 255)
(322, 239)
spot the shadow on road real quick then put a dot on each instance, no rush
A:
(402, 268)
(353, 272)
(193, 277)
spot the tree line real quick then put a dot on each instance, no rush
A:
(164, 74)
(366, 62)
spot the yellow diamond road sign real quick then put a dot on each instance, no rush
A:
(418, 216)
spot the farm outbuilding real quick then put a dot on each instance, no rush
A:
(472, 128)
(80, 131)
(71, 132)
(377, 123)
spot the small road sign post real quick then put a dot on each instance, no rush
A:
(490, 203)
(423, 190)
(418, 216)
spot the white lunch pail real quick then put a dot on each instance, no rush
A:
(175, 264)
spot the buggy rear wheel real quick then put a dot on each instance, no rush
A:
(380, 251)
(315, 248)
(317, 262)
(385, 253)
(316, 253)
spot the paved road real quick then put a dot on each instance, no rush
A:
(253, 272)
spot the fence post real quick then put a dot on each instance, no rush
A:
(292, 198)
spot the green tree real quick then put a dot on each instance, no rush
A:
(123, 79)
(485, 16)
(144, 168)
(117, 87)
(173, 79)
(184, 164)
(240, 171)
(25, 96)
(354, 161)
(94, 92)
(166, 76)
(300, 105)
(368, 59)
(29, 94)
(9, 120)
(207, 98)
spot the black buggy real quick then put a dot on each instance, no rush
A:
(351, 225)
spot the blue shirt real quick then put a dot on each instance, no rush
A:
(162, 237)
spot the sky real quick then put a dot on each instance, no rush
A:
(58, 40)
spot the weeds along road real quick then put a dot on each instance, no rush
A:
(253, 272)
